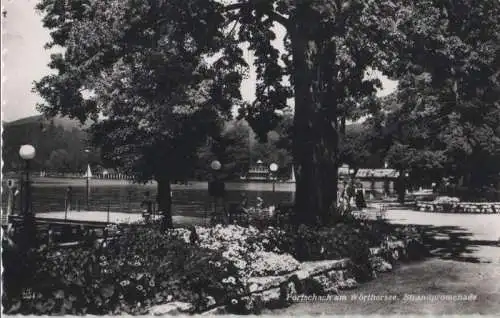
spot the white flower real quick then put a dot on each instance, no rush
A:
(241, 264)
(210, 301)
(234, 301)
(395, 254)
(272, 264)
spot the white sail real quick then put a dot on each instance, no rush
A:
(88, 174)
(292, 178)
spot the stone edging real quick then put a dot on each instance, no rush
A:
(459, 207)
(277, 291)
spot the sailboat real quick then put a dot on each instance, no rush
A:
(292, 177)
(88, 173)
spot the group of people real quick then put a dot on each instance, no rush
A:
(350, 196)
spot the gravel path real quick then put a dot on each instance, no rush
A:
(465, 263)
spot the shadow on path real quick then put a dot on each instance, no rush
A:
(455, 243)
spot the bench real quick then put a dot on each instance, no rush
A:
(236, 215)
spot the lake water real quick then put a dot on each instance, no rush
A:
(121, 196)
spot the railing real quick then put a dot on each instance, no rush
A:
(110, 176)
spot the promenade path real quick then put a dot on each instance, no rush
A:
(113, 217)
(465, 261)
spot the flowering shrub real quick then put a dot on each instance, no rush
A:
(126, 275)
(350, 239)
(274, 240)
(272, 264)
(252, 252)
(275, 251)
(446, 200)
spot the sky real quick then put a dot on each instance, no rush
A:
(25, 60)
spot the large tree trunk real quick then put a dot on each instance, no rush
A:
(314, 150)
(165, 202)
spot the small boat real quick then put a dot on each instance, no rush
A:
(292, 177)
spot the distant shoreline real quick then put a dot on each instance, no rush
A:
(192, 185)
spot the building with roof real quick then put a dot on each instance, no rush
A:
(378, 181)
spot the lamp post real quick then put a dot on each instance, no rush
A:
(215, 165)
(352, 188)
(27, 153)
(216, 187)
(273, 168)
(352, 176)
(407, 182)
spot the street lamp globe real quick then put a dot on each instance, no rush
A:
(27, 152)
(273, 167)
(215, 165)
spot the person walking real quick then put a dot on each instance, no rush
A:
(360, 199)
(351, 192)
(147, 205)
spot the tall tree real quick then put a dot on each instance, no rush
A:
(143, 58)
(358, 147)
(231, 148)
(326, 62)
(142, 64)
(447, 112)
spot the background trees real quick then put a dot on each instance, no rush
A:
(231, 148)
(445, 116)
(146, 59)
(59, 144)
(143, 66)
(238, 147)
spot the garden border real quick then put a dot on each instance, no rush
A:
(331, 275)
(459, 207)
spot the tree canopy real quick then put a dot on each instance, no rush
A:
(143, 66)
(445, 118)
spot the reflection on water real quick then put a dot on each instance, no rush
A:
(191, 200)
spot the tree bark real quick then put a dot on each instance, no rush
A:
(164, 199)
(314, 149)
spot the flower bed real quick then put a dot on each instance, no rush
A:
(252, 256)
(138, 270)
(458, 207)
(143, 271)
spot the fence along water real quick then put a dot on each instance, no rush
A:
(192, 200)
